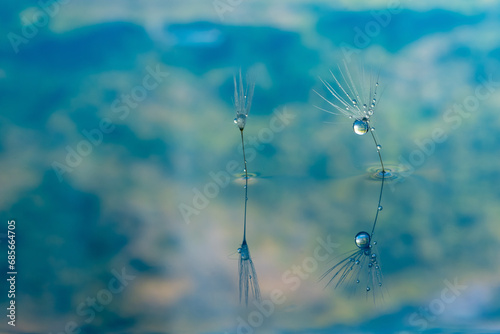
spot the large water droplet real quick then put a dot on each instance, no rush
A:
(362, 240)
(360, 127)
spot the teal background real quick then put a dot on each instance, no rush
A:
(122, 206)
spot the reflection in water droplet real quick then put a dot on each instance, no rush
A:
(360, 127)
(362, 240)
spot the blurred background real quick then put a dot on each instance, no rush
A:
(118, 156)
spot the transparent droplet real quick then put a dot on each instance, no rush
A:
(379, 147)
(374, 255)
(365, 106)
(370, 265)
(360, 127)
(377, 267)
(379, 284)
(239, 250)
(370, 112)
(374, 242)
(354, 101)
(240, 120)
(367, 288)
(357, 262)
(372, 128)
(380, 208)
(357, 281)
(362, 240)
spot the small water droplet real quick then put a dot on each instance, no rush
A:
(239, 250)
(380, 208)
(351, 259)
(374, 255)
(370, 112)
(240, 120)
(370, 265)
(357, 262)
(373, 105)
(379, 147)
(372, 128)
(374, 242)
(354, 101)
(367, 288)
(377, 267)
(365, 106)
(357, 281)
(360, 127)
(380, 284)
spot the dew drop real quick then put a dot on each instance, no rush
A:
(370, 112)
(362, 240)
(365, 106)
(240, 120)
(360, 127)
(374, 242)
(380, 208)
(377, 267)
(357, 281)
(372, 128)
(239, 250)
(357, 262)
(379, 147)
(370, 265)
(367, 288)
(354, 102)
(380, 284)
(374, 255)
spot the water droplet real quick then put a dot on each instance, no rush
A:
(354, 101)
(239, 250)
(380, 208)
(367, 288)
(374, 242)
(357, 262)
(240, 120)
(360, 127)
(377, 267)
(346, 108)
(370, 265)
(365, 106)
(351, 259)
(379, 284)
(372, 105)
(374, 255)
(250, 276)
(372, 128)
(370, 112)
(379, 147)
(362, 240)
(357, 281)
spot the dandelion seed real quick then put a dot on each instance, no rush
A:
(248, 281)
(362, 264)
